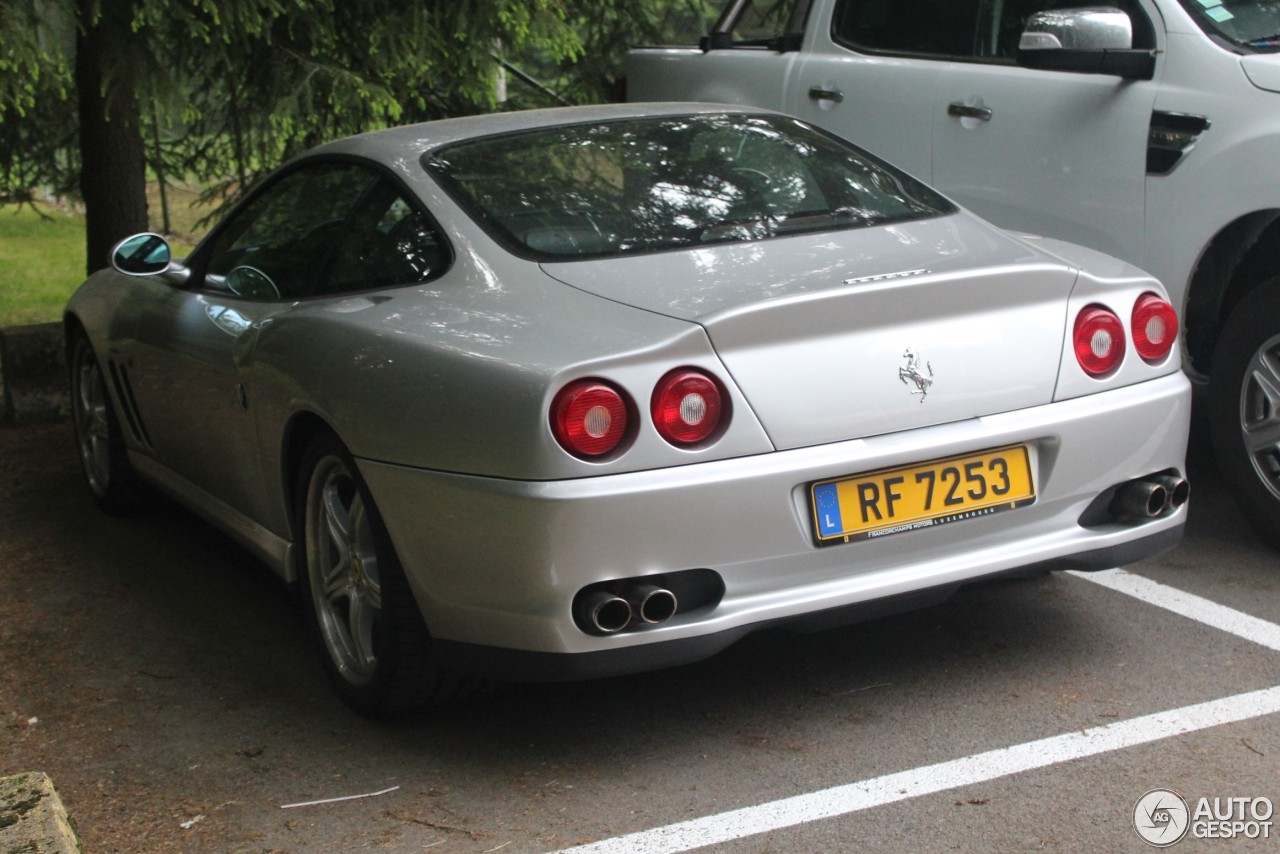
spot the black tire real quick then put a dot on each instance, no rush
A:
(373, 642)
(99, 441)
(1244, 407)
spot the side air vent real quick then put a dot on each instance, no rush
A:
(124, 393)
(1171, 137)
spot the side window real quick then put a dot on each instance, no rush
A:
(388, 242)
(986, 30)
(274, 248)
(1004, 20)
(763, 20)
(941, 28)
(766, 22)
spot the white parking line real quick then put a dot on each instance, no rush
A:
(1188, 605)
(842, 800)
(853, 797)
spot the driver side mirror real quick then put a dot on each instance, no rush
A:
(1097, 40)
(147, 255)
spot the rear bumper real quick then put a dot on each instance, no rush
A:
(495, 564)
(517, 665)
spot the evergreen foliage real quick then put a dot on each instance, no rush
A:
(218, 91)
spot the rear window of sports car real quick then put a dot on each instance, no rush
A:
(649, 184)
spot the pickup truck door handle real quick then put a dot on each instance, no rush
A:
(962, 111)
(818, 93)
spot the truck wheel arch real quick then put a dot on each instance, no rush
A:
(1240, 257)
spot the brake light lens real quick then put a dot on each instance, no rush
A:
(688, 407)
(1155, 327)
(590, 418)
(1098, 338)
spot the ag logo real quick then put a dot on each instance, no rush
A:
(1161, 818)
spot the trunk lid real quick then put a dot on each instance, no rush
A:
(842, 335)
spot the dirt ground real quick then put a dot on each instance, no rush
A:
(163, 679)
(98, 703)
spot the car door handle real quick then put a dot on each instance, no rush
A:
(963, 111)
(818, 93)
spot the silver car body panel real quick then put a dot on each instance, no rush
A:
(497, 562)
(442, 392)
(816, 345)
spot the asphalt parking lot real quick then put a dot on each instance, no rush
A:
(163, 679)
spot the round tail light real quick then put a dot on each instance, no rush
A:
(589, 418)
(688, 407)
(1155, 327)
(1099, 340)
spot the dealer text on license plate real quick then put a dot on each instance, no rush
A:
(909, 498)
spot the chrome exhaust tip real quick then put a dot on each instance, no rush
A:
(1145, 499)
(1179, 489)
(604, 612)
(652, 604)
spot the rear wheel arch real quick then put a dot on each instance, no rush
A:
(302, 430)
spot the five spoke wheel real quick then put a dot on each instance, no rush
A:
(1244, 407)
(374, 643)
(342, 564)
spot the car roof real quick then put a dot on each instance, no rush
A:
(394, 144)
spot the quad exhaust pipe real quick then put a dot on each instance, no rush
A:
(605, 613)
(1178, 488)
(652, 604)
(1149, 497)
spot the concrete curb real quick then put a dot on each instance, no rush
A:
(33, 374)
(32, 818)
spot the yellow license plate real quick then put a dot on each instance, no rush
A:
(909, 498)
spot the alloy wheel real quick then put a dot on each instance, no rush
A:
(93, 427)
(343, 572)
(1260, 413)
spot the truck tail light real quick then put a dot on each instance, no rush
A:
(1098, 339)
(1155, 327)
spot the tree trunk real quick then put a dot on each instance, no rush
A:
(112, 156)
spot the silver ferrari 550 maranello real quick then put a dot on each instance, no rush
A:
(581, 392)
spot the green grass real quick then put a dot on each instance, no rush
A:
(41, 263)
(42, 260)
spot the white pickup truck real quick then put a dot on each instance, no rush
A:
(1148, 129)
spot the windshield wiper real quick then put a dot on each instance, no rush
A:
(818, 220)
(746, 228)
(1265, 41)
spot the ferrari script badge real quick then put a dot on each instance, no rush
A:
(913, 375)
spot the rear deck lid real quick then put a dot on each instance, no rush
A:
(846, 334)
